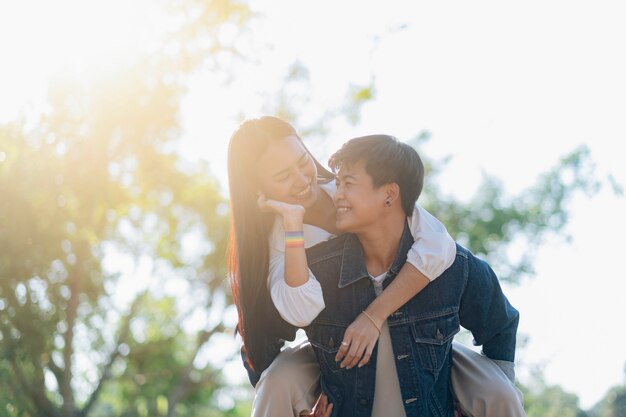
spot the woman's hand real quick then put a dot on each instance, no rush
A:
(358, 343)
(322, 407)
(286, 210)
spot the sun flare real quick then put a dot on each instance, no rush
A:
(40, 40)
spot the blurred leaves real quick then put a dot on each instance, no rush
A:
(497, 226)
(543, 400)
(112, 275)
(101, 222)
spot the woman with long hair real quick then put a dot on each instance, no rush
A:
(281, 202)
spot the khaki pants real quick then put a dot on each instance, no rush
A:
(291, 385)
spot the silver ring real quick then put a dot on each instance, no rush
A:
(345, 344)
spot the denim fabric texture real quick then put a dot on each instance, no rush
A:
(467, 294)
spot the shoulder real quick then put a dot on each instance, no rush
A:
(332, 248)
(472, 265)
(463, 252)
(461, 263)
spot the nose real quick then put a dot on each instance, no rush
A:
(338, 196)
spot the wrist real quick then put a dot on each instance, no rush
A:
(294, 239)
(378, 312)
(293, 221)
(376, 324)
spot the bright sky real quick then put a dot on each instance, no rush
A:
(505, 89)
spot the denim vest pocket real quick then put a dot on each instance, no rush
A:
(326, 340)
(433, 337)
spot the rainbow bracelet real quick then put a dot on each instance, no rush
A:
(294, 239)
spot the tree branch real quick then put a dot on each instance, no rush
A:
(36, 392)
(65, 385)
(185, 383)
(106, 370)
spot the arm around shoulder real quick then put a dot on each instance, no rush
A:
(434, 250)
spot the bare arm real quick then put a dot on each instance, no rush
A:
(295, 292)
(296, 268)
(361, 336)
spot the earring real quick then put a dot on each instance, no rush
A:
(387, 203)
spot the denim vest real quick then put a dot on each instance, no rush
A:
(467, 294)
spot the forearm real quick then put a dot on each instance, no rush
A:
(296, 268)
(502, 345)
(487, 313)
(409, 282)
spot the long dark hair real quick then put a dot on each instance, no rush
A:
(248, 248)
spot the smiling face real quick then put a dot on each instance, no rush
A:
(286, 172)
(358, 203)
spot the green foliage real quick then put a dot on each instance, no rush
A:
(612, 405)
(358, 96)
(492, 222)
(94, 184)
(97, 207)
(543, 400)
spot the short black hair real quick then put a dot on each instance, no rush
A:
(387, 160)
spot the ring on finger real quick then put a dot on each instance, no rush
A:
(345, 344)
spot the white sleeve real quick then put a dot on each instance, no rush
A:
(434, 250)
(297, 305)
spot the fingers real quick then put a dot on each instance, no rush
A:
(343, 349)
(358, 343)
(323, 403)
(368, 354)
(322, 408)
(353, 355)
(261, 202)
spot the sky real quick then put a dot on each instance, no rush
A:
(504, 89)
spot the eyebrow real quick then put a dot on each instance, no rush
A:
(282, 171)
(345, 176)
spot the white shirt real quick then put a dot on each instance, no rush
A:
(432, 253)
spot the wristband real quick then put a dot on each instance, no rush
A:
(294, 239)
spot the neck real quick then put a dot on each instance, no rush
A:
(322, 213)
(381, 241)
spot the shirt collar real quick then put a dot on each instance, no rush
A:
(353, 266)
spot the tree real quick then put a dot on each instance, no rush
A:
(97, 183)
(94, 183)
(543, 400)
(613, 404)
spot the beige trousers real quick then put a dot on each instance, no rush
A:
(481, 387)
(290, 385)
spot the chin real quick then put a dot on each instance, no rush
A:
(345, 225)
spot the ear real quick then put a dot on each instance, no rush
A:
(392, 192)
